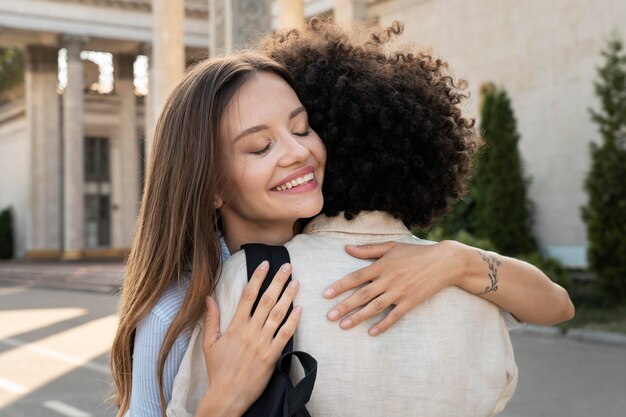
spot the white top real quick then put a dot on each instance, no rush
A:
(450, 356)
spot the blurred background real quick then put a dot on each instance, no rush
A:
(81, 86)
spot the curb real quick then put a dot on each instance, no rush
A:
(586, 335)
(597, 336)
(539, 330)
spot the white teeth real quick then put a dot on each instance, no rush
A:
(294, 183)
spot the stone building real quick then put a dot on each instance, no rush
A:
(71, 159)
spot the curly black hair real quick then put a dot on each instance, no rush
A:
(395, 137)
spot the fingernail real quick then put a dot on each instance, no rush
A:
(333, 314)
(330, 292)
(285, 268)
(293, 283)
(298, 309)
(264, 265)
(346, 324)
(374, 331)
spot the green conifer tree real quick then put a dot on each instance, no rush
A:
(11, 68)
(605, 212)
(503, 213)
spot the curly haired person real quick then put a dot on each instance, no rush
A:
(398, 151)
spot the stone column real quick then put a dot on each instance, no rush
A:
(125, 156)
(347, 12)
(148, 122)
(73, 152)
(43, 116)
(290, 13)
(168, 53)
(234, 23)
(220, 25)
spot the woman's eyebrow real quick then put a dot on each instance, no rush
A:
(259, 128)
(296, 112)
(249, 130)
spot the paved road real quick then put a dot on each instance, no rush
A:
(54, 346)
(559, 377)
(54, 352)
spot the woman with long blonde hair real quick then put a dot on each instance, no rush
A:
(176, 250)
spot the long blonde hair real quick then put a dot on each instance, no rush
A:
(177, 230)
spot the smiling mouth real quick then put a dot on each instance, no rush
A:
(305, 179)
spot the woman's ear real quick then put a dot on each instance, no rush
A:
(218, 202)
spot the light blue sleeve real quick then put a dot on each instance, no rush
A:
(149, 336)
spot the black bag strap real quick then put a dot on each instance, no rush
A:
(276, 256)
(300, 394)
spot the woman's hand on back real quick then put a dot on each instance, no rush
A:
(241, 361)
(403, 277)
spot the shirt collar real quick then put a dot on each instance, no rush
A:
(367, 223)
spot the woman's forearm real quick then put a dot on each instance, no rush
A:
(514, 285)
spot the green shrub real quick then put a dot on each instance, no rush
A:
(437, 234)
(502, 210)
(6, 234)
(11, 70)
(605, 211)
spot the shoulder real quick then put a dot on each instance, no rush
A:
(233, 277)
(152, 329)
(170, 302)
(233, 273)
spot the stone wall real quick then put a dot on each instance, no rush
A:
(15, 169)
(545, 54)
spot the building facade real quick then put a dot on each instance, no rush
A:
(71, 161)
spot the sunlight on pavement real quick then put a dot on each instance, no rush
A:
(65, 409)
(33, 365)
(13, 290)
(14, 322)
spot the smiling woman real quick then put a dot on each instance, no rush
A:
(274, 169)
(230, 134)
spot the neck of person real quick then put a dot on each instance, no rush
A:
(239, 233)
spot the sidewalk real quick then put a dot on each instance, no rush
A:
(97, 276)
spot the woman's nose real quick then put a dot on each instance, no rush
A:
(293, 150)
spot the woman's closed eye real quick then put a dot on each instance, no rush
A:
(263, 150)
(268, 146)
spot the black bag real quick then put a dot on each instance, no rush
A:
(280, 398)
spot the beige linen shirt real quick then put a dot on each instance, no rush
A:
(451, 356)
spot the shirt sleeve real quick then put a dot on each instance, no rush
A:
(509, 319)
(145, 400)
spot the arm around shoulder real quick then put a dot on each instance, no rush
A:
(517, 286)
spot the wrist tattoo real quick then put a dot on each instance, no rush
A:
(493, 263)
